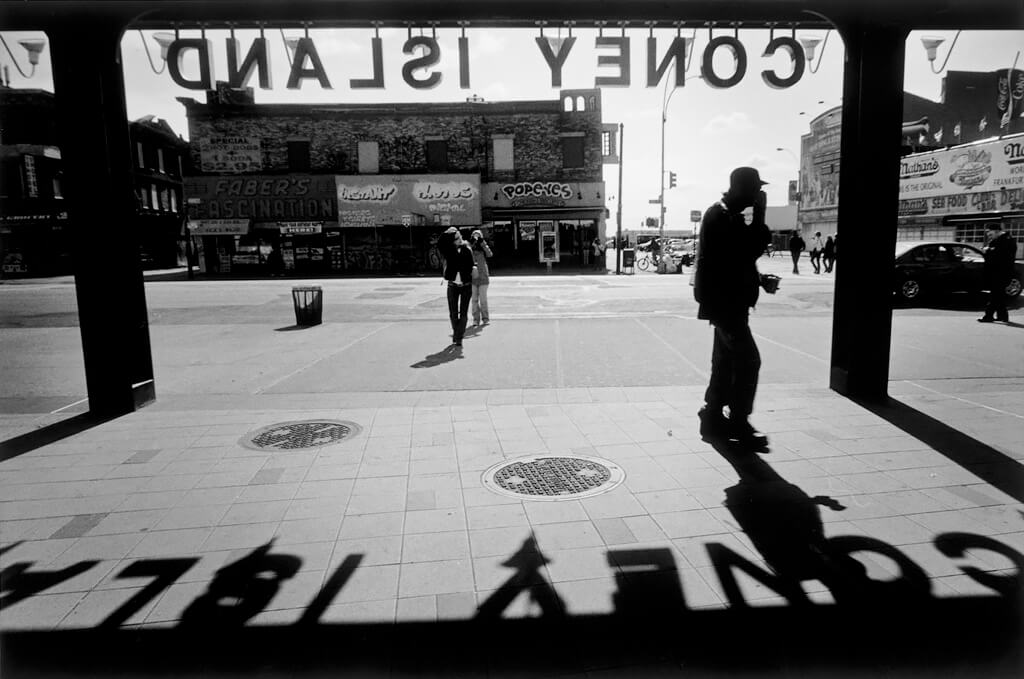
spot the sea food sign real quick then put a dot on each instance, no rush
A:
(418, 72)
(986, 177)
(375, 200)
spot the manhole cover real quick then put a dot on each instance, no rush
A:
(550, 477)
(298, 435)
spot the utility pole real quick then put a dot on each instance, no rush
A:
(618, 210)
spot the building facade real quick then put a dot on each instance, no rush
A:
(159, 161)
(36, 238)
(978, 124)
(34, 235)
(369, 188)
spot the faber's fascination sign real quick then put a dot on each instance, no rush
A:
(418, 72)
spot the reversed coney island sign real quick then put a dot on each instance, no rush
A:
(421, 70)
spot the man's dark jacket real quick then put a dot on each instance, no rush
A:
(999, 256)
(456, 260)
(726, 282)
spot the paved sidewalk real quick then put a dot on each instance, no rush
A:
(161, 519)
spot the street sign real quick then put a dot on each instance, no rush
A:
(694, 215)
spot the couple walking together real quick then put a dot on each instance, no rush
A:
(467, 276)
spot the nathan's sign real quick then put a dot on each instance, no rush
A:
(966, 175)
(419, 71)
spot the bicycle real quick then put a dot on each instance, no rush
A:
(647, 260)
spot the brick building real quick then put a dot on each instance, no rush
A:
(36, 237)
(368, 188)
(975, 106)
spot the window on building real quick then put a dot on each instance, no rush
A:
(154, 197)
(58, 188)
(140, 154)
(10, 172)
(437, 155)
(298, 154)
(174, 201)
(143, 195)
(165, 201)
(606, 144)
(572, 151)
(160, 160)
(369, 157)
(504, 154)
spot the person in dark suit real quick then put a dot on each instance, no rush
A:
(999, 255)
(726, 286)
(458, 271)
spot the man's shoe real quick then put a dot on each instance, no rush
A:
(1003, 319)
(744, 433)
(986, 319)
(712, 424)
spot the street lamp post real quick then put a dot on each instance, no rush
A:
(666, 97)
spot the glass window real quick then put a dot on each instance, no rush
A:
(298, 155)
(140, 154)
(154, 198)
(503, 154)
(572, 151)
(369, 157)
(174, 201)
(437, 155)
(160, 160)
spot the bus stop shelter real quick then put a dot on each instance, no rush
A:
(84, 41)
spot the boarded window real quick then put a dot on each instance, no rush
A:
(369, 157)
(437, 155)
(572, 151)
(298, 155)
(503, 154)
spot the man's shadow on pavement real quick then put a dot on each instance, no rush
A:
(449, 353)
(785, 526)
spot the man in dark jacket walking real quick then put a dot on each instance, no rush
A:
(796, 246)
(458, 271)
(999, 255)
(726, 286)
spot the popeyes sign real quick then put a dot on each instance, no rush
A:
(419, 71)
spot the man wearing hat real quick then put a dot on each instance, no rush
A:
(726, 286)
(999, 257)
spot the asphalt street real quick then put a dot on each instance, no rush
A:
(238, 337)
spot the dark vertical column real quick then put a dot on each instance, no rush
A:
(97, 159)
(868, 201)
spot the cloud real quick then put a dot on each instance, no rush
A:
(730, 123)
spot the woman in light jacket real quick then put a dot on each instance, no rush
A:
(481, 277)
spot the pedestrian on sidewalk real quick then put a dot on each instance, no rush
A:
(829, 254)
(598, 250)
(817, 246)
(458, 272)
(726, 287)
(999, 256)
(481, 278)
(796, 246)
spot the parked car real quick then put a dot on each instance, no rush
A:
(681, 251)
(924, 268)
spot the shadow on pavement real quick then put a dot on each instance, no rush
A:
(995, 468)
(49, 434)
(290, 328)
(449, 353)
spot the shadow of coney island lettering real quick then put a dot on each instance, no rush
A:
(894, 625)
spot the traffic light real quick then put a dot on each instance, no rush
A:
(671, 180)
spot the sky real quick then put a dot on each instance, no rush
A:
(708, 131)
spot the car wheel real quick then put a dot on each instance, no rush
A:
(910, 289)
(1013, 288)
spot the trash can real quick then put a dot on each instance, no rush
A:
(309, 304)
(628, 258)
